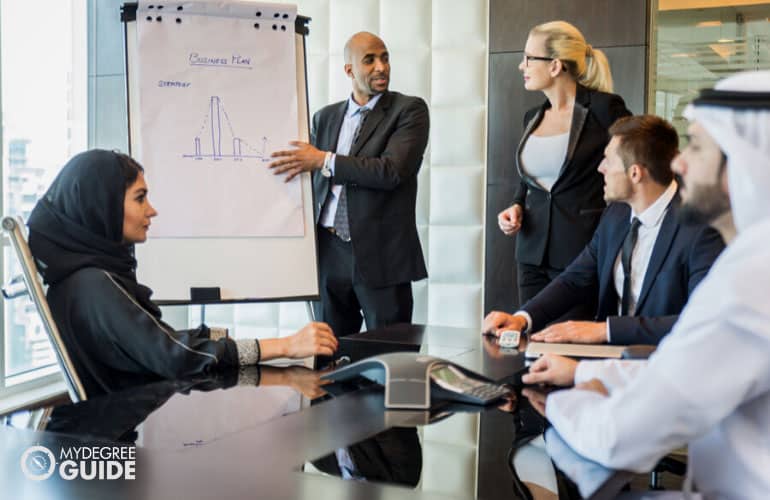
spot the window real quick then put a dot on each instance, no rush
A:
(702, 41)
(43, 91)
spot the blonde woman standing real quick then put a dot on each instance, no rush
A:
(560, 199)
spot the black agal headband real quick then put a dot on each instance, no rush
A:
(733, 99)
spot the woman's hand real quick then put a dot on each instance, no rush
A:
(301, 379)
(510, 219)
(314, 339)
(306, 381)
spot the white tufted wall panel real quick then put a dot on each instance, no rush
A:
(449, 456)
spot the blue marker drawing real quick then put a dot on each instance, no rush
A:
(212, 142)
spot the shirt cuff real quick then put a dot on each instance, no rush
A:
(331, 163)
(216, 333)
(248, 351)
(524, 314)
(249, 376)
(609, 335)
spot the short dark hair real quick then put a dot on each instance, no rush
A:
(129, 167)
(649, 141)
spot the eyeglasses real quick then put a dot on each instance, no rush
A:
(528, 58)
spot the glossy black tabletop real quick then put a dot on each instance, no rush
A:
(275, 432)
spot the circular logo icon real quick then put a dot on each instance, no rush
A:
(38, 463)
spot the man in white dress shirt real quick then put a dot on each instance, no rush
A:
(708, 384)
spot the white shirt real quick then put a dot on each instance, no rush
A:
(344, 143)
(543, 157)
(707, 385)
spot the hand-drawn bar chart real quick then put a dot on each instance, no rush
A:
(215, 142)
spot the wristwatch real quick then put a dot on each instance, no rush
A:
(326, 171)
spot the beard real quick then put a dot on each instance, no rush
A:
(704, 204)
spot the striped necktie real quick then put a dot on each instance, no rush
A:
(341, 222)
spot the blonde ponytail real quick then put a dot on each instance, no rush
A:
(588, 66)
(597, 75)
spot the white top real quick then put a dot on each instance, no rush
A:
(344, 143)
(707, 386)
(651, 220)
(543, 156)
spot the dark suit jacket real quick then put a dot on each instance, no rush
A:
(381, 178)
(558, 224)
(681, 257)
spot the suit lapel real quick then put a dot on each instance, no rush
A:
(370, 124)
(663, 242)
(579, 115)
(338, 116)
(533, 123)
(328, 143)
(608, 301)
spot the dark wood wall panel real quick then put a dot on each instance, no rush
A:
(618, 27)
(507, 99)
(605, 23)
(500, 283)
(628, 65)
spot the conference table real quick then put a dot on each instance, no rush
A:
(279, 432)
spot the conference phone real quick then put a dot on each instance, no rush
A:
(412, 380)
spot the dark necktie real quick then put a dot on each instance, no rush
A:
(341, 222)
(625, 259)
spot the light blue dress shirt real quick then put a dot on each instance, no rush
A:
(344, 143)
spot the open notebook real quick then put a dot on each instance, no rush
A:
(537, 349)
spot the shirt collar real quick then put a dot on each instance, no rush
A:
(653, 214)
(353, 106)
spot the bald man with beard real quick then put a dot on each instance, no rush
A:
(364, 156)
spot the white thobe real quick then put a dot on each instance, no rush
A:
(707, 385)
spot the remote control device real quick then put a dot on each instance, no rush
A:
(509, 339)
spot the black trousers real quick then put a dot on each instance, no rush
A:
(532, 279)
(345, 301)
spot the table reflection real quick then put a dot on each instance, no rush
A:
(182, 413)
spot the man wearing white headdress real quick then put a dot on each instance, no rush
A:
(708, 384)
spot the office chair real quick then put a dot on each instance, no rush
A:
(673, 463)
(14, 228)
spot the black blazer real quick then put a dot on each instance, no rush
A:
(681, 257)
(558, 224)
(381, 178)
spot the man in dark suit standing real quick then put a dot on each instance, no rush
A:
(365, 155)
(642, 262)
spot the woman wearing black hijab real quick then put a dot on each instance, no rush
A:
(82, 235)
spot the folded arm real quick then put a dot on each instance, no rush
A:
(675, 398)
